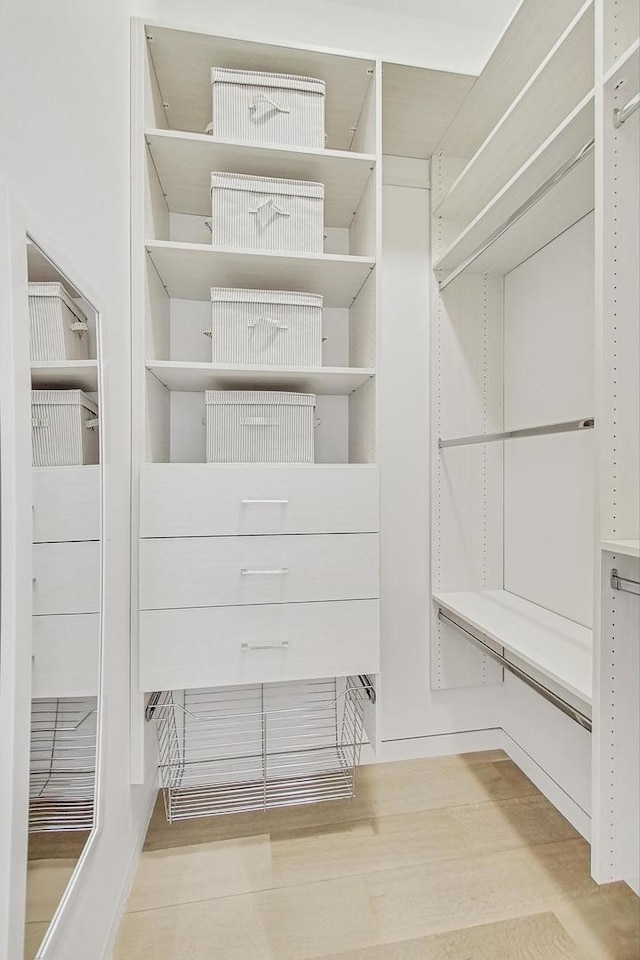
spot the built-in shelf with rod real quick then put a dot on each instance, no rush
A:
(566, 426)
(625, 584)
(550, 649)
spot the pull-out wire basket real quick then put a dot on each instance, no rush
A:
(240, 749)
(62, 764)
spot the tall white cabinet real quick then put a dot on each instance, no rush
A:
(252, 574)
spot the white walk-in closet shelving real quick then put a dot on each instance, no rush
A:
(532, 387)
(520, 496)
(253, 574)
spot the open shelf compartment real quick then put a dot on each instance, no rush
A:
(556, 649)
(248, 748)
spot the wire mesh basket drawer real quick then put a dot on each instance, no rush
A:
(260, 426)
(58, 328)
(62, 764)
(266, 327)
(64, 428)
(263, 213)
(271, 108)
(237, 749)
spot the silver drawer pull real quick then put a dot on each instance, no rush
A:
(276, 572)
(265, 646)
(264, 501)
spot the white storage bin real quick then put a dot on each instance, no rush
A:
(259, 426)
(64, 428)
(270, 108)
(266, 326)
(263, 213)
(59, 329)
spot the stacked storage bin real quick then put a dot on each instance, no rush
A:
(268, 327)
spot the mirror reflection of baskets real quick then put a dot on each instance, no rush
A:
(237, 749)
(62, 764)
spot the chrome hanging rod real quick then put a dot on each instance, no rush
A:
(548, 185)
(622, 114)
(549, 695)
(624, 584)
(567, 426)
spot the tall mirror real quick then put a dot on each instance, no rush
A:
(67, 578)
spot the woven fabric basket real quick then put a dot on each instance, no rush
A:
(64, 428)
(263, 213)
(270, 108)
(59, 329)
(266, 327)
(245, 426)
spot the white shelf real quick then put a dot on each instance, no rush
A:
(553, 646)
(562, 80)
(189, 270)
(184, 162)
(625, 548)
(333, 381)
(562, 145)
(182, 62)
(527, 40)
(57, 374)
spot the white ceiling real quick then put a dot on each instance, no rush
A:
(490, 15)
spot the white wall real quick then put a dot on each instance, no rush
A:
(64, 149)
(441, 42)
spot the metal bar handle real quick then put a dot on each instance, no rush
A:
(270, 202)
(274, 572)
(622, 114)
(263, 98)
(624, 584)
(283, 645)
(568, 709)
(247, 502)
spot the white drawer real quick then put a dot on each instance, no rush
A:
(66, 503)
(195, 500)
(220, 571)
(224, 646)
(66, 655)
(66, 577)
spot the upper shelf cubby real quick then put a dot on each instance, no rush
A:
(528, 39)
(555, 88)
(179, 80)
(184, 161)
(621, 29)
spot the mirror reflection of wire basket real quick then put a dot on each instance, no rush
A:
(62, 764)
(238, 749)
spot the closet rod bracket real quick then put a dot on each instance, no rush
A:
(624, 584)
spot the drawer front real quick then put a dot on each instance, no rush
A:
(196, 500)
(223, 646)
(219, 571)
(66, 503)
(66, 655)
(66, 577)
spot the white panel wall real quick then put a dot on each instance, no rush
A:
(409, 708)
(549, 481)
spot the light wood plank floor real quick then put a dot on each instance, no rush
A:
(458, 858)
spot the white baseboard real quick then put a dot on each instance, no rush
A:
(561, 800)
(438, 745)
(130, 875)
